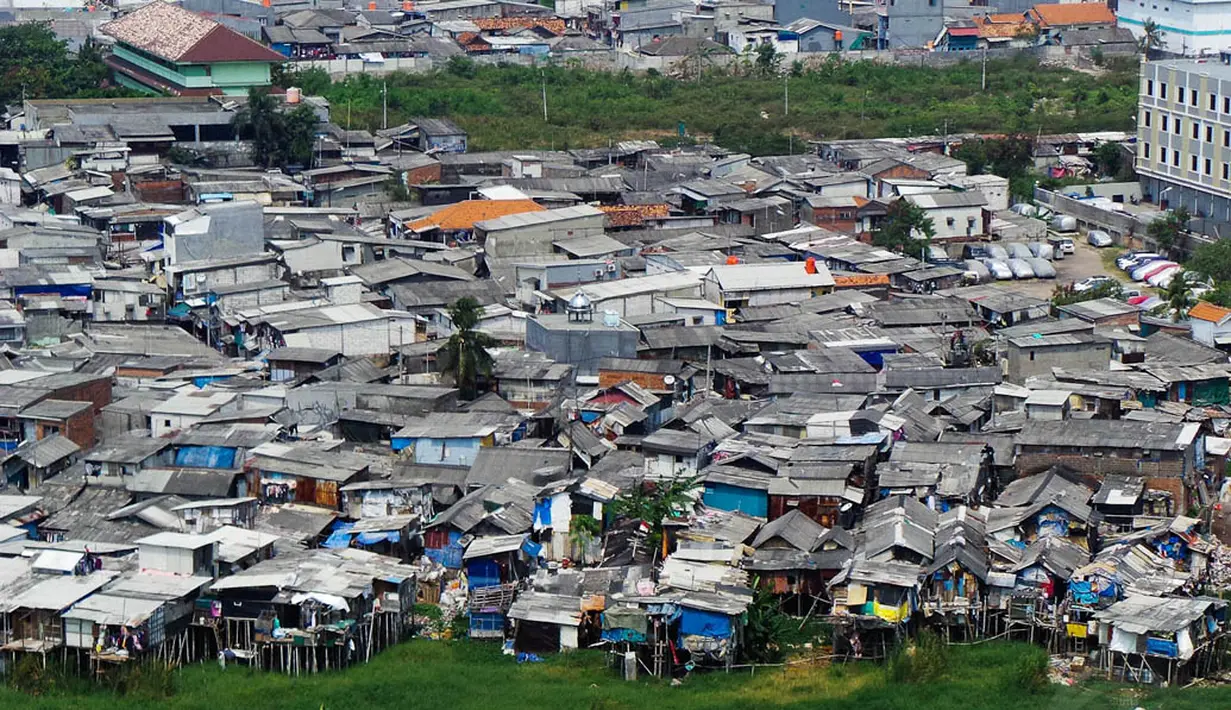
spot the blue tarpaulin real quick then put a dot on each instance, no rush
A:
(340, 537)
(694, 622)
(542, 512)
(205, 457)
(371, 538)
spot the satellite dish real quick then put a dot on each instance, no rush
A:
(668, 380)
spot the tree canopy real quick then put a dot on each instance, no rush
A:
(36, 64)
(465, 355)
(906, 229)
(1167, 229)
(279, 138)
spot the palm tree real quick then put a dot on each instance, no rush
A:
(1151, 37)
(465, 355)
(1179, 295)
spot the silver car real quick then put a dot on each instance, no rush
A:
(1042, 267)
(1020, 269)
(998, 269)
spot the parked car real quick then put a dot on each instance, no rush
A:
(1064, 223)
(1017, 250)
(995, 251)
(1091, 282)
(1140, 259)
(1042, 250)
(1140, 299)
(1150, 267)
(975, 251)
(1042, 268)
(1098, 238)
(979, 270)
(1025, 209)
(1020, 269)
(1162, 279)
(998, 269)
(1063, 245)
(937, 253)
(1123, 260)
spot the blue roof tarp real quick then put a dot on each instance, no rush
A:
(371, 538)
(340, 537)
(694, 622)
(205, 457)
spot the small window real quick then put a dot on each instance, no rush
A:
(1179, 94)
(166, 422)
(1226, 139)
(1209, 134)
(1150, 88)
(1226, 104)
(1196, 131)
(1162, 154)
(1031, 356)
(1209, 167)
(1213, 102)
(1145, 119)
(1145, 151)
(1165, 121)
(1162, 90)
(1192, 163)
(949, 221)
(1176, 125)
(1175, 158)
(1192, 97)
(1226, 171)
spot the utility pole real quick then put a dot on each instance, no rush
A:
(544, 75)
(983, 80)
(384, 95)
(786, 95)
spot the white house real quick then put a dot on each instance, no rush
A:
(740, 285)
(187, 409)
(954, 214)
(1190, 27)
(1211, 324)
(177, 553)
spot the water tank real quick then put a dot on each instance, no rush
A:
(611, 319)
(293, 95)
(732, 260)
(810, 265)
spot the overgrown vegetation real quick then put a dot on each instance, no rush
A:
(1167, 229)
(925, 659)
(652, 503)
(465, 355)
(1065, 294)
(501, 106)
(279, 138)
(35, 64)
(906, 229)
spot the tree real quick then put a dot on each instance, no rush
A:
(1213, 260)
(1109, 158)
(1166, 230)
(1151, 38)
(279, 138)
(906, 229)
(1220, 295)
(766, 628)
(1179, 296)
(654, 502)
(768, 60)
(465, 355)
(35, 64)
(1067, 295)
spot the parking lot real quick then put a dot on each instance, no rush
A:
(1087, 261)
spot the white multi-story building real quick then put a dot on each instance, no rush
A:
(1190, 27)
(1184, 135)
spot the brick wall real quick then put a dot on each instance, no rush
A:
(1098, 466)
(97, 392)
(649, 380)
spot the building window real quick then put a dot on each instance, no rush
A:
(166, 423)
(1149, 87)
(1146, 119)
(1162, 154)
(1179, 95)
(1165, 121)
(1175, 158)
(1162, 90)
(1032, 356)
(1209, 167)
(1226, 171)
(1209, 134)
(1192, 163)
(1145, 151)
(1226, 104)
(1175, 125)
(1226, 139)
(1213, 102)
(1192, 97)
(1196, 131)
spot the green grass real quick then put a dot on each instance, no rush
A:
(465, 676)
(501, 106)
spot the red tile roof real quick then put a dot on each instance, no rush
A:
(177, 35)
(553, 25)
(633, 215)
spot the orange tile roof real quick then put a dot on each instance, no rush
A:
(1204, 310)
(463, 215)
(633, 215)
(858, 280)
(1086, 13)
(553, 25)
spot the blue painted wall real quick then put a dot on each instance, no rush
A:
(724, 496)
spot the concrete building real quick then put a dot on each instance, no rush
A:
(533, 233)
(1031, 356)
(954, 214)
(581, 343)
(1211, 324)
(1190, 27)
(752, 285)
(909, 23)
(1184, 135)
(164, 49)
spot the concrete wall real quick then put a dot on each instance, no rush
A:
(1085, 356)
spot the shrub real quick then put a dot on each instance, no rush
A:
(924, 661)
(1029, 672)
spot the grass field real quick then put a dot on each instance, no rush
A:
(464, 676)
